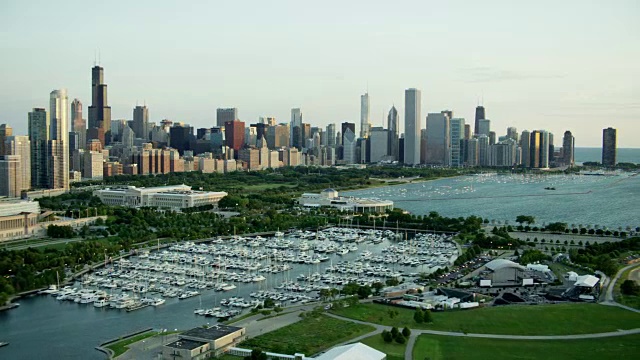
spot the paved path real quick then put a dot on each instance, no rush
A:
(608, 299)
(415, 332)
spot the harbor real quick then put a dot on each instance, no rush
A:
(190, 284)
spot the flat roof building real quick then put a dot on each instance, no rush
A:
(329, 197)
(173, 197)
(203, 342)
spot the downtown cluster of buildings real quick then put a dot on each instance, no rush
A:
(62, 147)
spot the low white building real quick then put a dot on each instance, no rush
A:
(173, 197)
(329, 197)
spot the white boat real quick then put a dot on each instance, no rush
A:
(100, 303)
(228, 287)
(157, 302)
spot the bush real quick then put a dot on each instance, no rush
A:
(394, 331)
(399, 338)
(630, 287)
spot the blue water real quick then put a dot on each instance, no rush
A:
(626, 155)
(612, 201)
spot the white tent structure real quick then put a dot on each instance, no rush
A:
(357, 351)
(586, 281)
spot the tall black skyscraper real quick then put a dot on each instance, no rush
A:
(479, 116)
(348, 125)
(99, 111)
(609, 147)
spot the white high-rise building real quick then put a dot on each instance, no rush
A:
(412, 117)
(349, 147)
(21, 146)
(392, 126)
(365, 123)
(58, 147)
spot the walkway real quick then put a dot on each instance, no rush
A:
(608, 299)
(415, 332)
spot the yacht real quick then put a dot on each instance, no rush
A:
(157, 302)
(101, 303)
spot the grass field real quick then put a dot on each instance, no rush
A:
(122, 346)
(631, 301)
(561, 319)
(435, 347)
(308, 336)
(393, 350)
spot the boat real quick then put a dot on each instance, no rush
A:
(100, 303)
(157, 302)
(3, 343)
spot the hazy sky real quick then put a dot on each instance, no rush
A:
(552, 65)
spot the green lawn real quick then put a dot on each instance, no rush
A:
(308, 336)
(629, 300)
(393, 350)
(435, 347)
(122, 346)
(558, 319)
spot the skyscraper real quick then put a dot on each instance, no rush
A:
(39, 137)
(11, 184)
(99, 111)
(5, 130)
(58, 147)
(437, 137)
(365, 122)
(378, 139)
(141, 122)
(234, 133)
(525, 144)
(568, 148)
(226, 114)
(392, 126)
(349, 146)
(479, 115)
(296, 121)
(331, 135)
(345, 126)
(412, 126)
(484, 127)
(609, 147)
(512, 133)
(21, 146)
(456, 134)
(78, 123)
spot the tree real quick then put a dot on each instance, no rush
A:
(386, 336)
(630, 287)
(399, 338)
(406, 332)
(377, 287)
(394, 331)
(427, 316)
(418, 316)
(525, 219)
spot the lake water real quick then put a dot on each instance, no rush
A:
(612, 201)
(627, 155)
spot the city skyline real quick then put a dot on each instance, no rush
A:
(562, 89)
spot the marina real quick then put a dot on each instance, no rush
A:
(288, 269)
(230, 276)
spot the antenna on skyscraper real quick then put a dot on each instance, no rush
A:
(98, 57)
(95, 57)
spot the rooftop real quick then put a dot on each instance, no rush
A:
(186, 344)
(212, 333)
(498, 264)
(357, 351)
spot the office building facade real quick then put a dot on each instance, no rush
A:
(412, 114)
